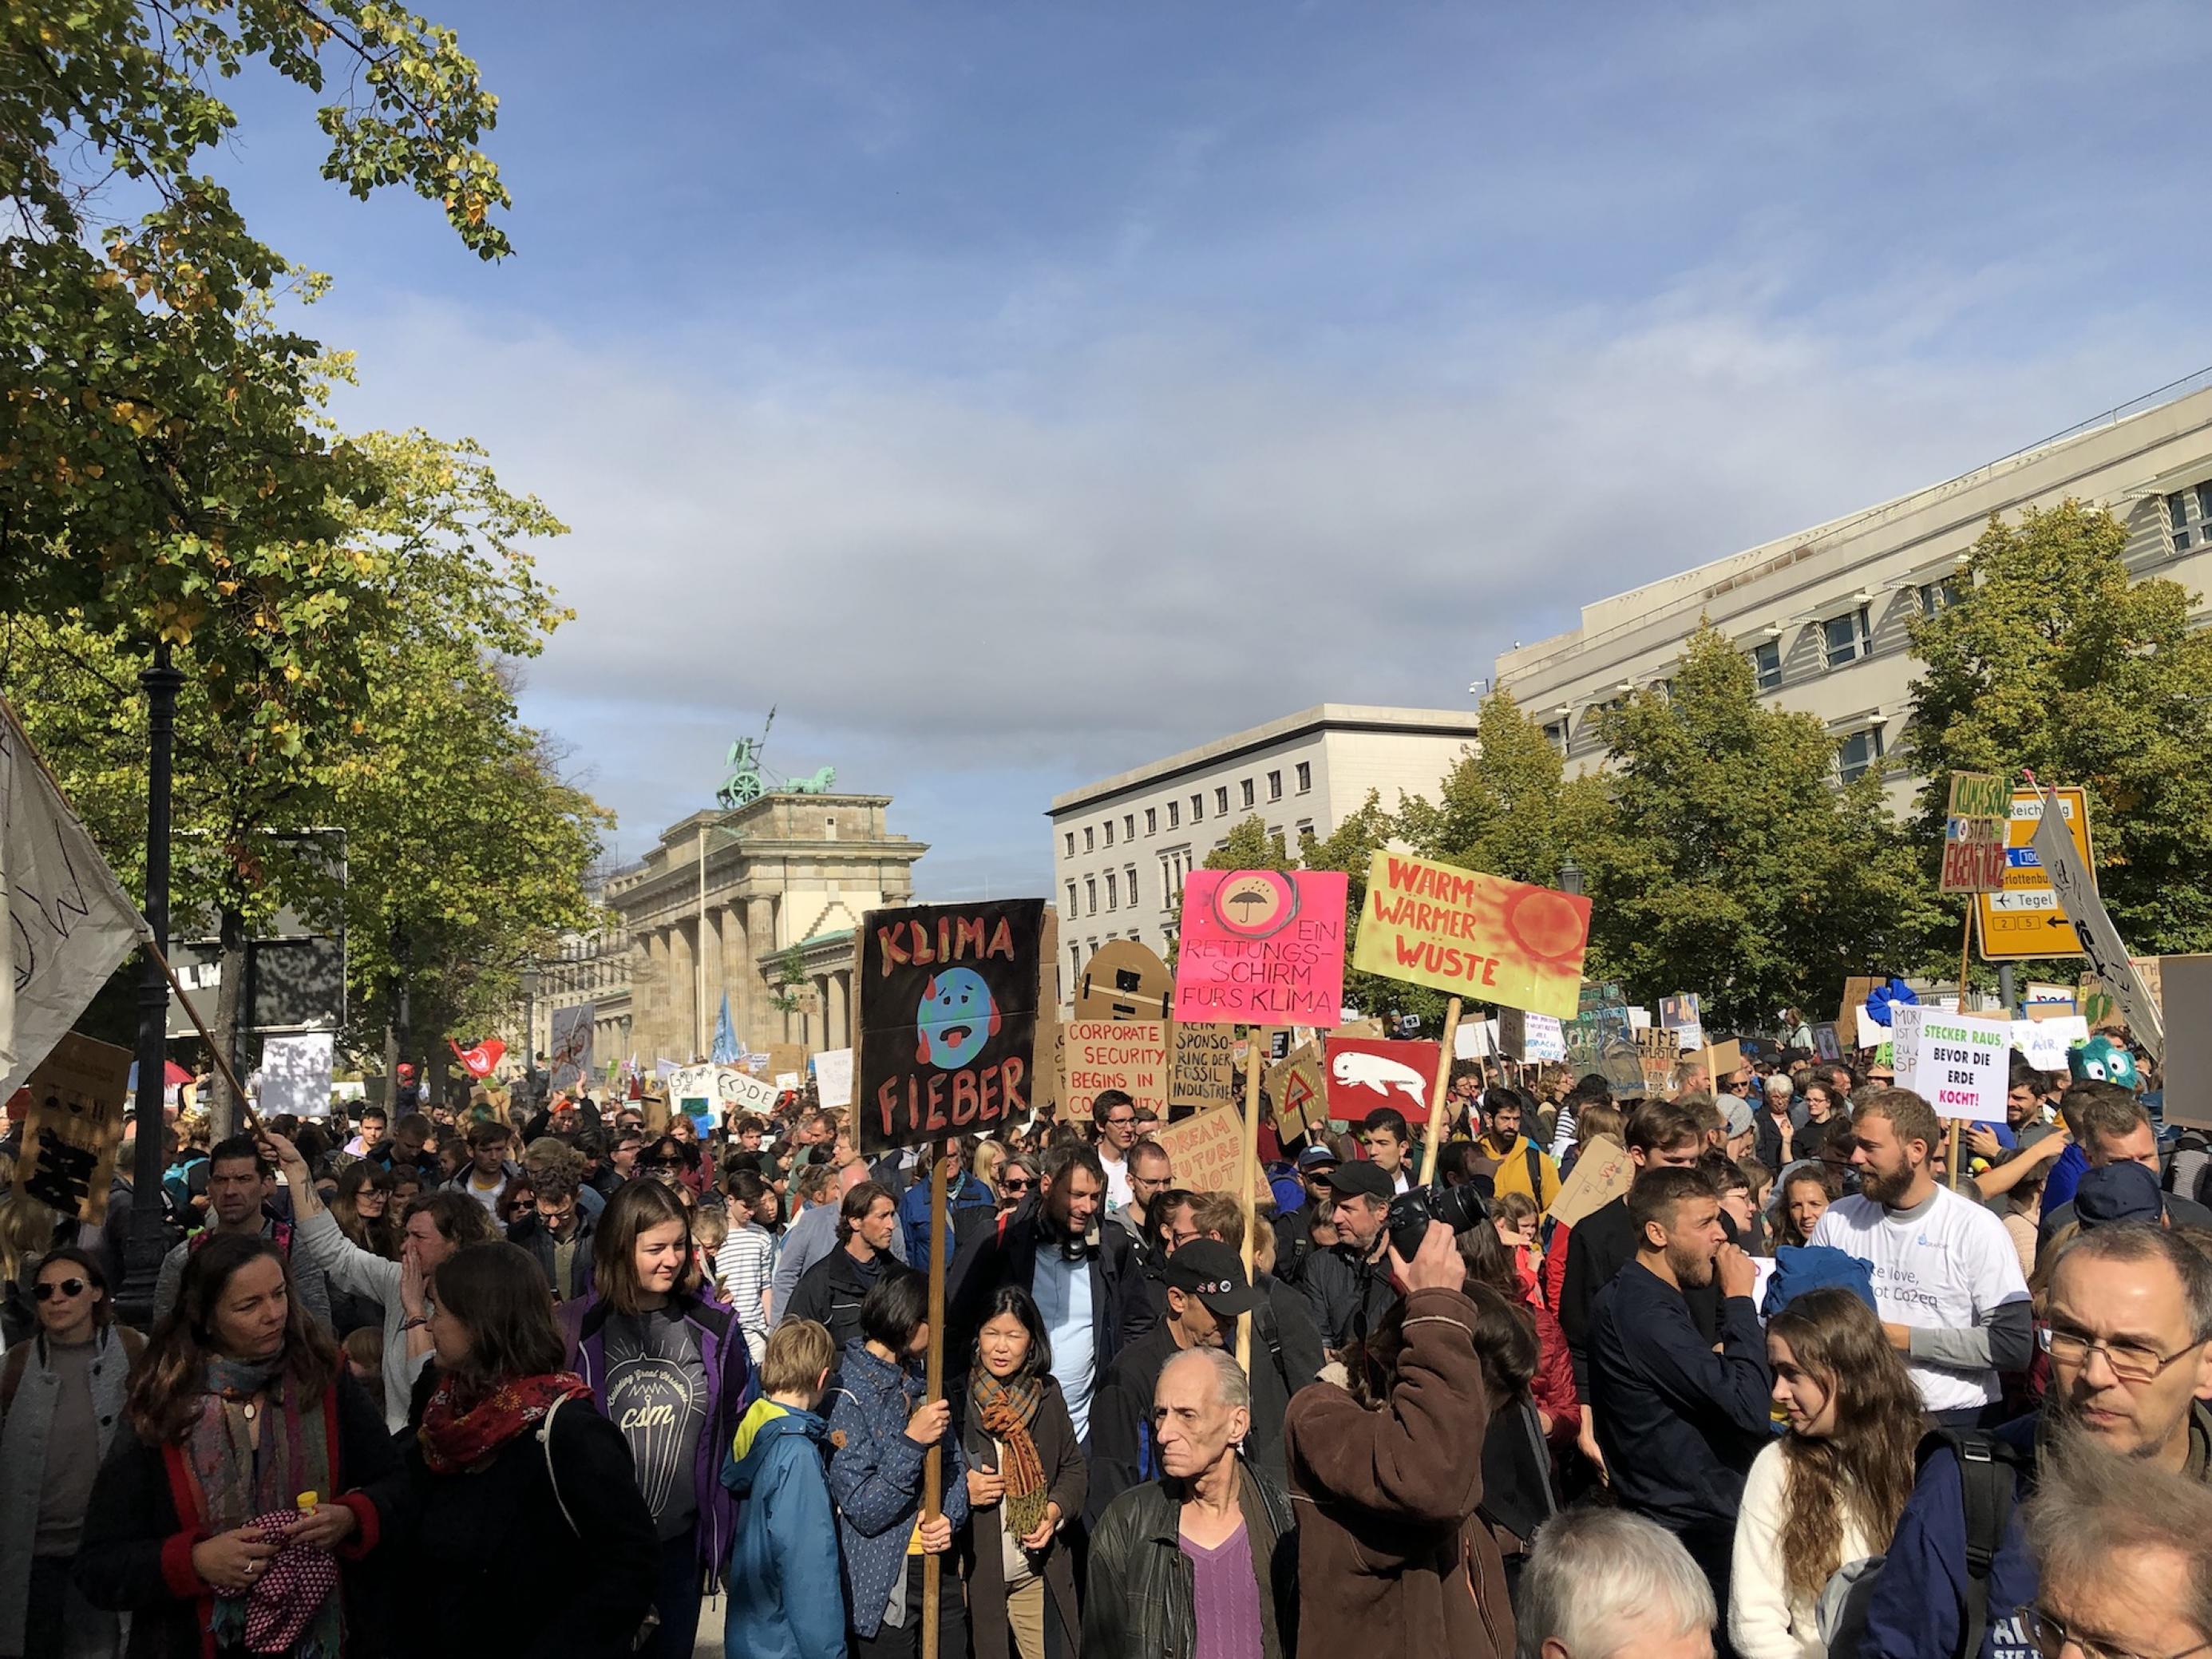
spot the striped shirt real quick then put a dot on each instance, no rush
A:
(745, 1264)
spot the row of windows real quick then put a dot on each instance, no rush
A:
(1081, 951)
(2190, 530)
(1248, 797)
(1118, 882)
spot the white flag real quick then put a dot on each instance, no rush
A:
(68, 923)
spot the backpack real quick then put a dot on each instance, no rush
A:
(1994, 1476)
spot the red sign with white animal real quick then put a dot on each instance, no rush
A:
(1366, 1073)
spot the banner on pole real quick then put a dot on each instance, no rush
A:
(1475, 935)
(1261, 947)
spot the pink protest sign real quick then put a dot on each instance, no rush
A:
(1259, 947)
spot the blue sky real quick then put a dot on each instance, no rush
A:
(1014, 394)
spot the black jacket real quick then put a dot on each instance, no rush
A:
(141, 1526)
(1008, 1255)
(830, 1292)
(1066, 1479)
(1342, 1291)
(1138, 1600)
(1598, 1247)
(493, 1570)
(532, 1235)
(1679, 1424)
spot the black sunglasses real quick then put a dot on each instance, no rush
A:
(1015, 1186)
(46, 1292)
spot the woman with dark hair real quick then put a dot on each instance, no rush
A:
(1806, 1190)
(244, 1452)
(528, 1533)
(1534, 1413)
(1827, 1495)
(61, 1396)
(1025, 1477)
(688, 1158)
(669, 1367)
(882, 1430)
(363, 1209)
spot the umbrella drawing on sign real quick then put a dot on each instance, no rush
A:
(1247, 898)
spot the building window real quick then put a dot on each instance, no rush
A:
(1091, 891)
(1128, 826)
(1070, 898)
(1245, 790)
(1843, 640)
(1110, 832)
(1152, 820)
(1198, 808)
(1167, 876)
(1861, 751)
(1074, 962)
(1766, 660)
(1306, 829)
(1071, 844)
(1130, 876)
(1555, 733)
(1113, 891)
(1274, 786)
(1305, 777)
(1088, 843)
(1221, 801)
(1936, 597)
(1175, 815)
(2176, 516)
(829, 829)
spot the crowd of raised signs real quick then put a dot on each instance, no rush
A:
(511, 1380)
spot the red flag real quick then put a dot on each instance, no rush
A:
(480, 1061)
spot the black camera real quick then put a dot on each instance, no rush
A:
(1458, 1208)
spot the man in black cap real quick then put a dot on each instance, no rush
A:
(1348, 1284)
(1206, 1293)
(1300, 1233)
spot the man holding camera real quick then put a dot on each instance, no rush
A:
(1349, 1283)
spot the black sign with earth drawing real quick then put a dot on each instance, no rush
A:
(948, 1019)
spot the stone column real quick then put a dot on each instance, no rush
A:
(837, 1009)
(760, 941)
(683, 1006)
(737, 976)
(647, 993)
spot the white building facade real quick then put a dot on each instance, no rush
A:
(1121, 847)
(1822, 616)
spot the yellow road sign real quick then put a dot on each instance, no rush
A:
(2026, 919)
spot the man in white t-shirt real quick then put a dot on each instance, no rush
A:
(1114, 1117)
(1947, 1280)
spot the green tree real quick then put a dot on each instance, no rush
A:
(2056, 660)
(1504, 808)
(1725, 859)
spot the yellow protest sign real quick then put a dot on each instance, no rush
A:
(1475, 935)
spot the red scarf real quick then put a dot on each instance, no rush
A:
(453, 1439)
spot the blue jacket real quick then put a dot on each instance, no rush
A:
(785, 1598)
(1679, 1424)
(1919, 1598)
(730, 1390)
(875, 1478)
(965, 1193)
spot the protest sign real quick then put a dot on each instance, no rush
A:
(738, 1089)
(1202, 1066)
(73, 1126)
(1207, 1150)
(1600, 1018)
(786, 1080)
(2043, 1042)
(1124, 979)
(691, 1089)
(1498, 941)
(947, 1019)
(2059, 840)
(1656, 1052)
(1476, 1039)
(1602, 1174)
(1826, 1044)
(1530, 1038)
(1975, 832)
(1131, 1055)
(1680, 1010)
(2188, 1063)
(570, 1062)
(1364, 1074)
(295, 1075)
(1856, 990)
(1300, 1094)
(1261, 947)
(784, 1057)
(833, 1077)
(1955, 1062)
(2039, 992)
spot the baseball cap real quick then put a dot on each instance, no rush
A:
(1316, 1157)
(1210, 1270)
(1360, 1178)
(2117, 1192)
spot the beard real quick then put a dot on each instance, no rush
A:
(1693, 1269)
(1885, 1189)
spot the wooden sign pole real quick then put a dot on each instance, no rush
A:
(1437, 1095)
(932, 1467)
(1247, 1176)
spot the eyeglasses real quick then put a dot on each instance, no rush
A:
(2051, 1636)
(2131, 1362)
(64, 1288)
(1014, 1186)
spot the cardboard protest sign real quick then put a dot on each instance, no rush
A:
(737, 1090)
(2043, 1042)
(1656, 1053)
(1498, 941)
(1955, 1062)
(1205, 1151)
(784, 1057)
(1601, 1017)
(1364, 1074)
(1202, 1066)
(1856, 990)
(73, 1126)
(1975, 831)
(1098, 1054)
(947, 1018)
(1602, 1174)
(2188, 1062)
(1300, 1094)
(1261, 947)
(833, 1077)
(1124, 979)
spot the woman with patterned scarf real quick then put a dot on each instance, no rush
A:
(221, 1517)
(1026, 1477)
(528, 1534)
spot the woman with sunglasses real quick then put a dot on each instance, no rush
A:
(1016, 1179)
(243, 1454)
(55, 1393)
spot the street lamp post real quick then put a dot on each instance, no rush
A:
(144, 1246)
(1571, 876)
(530, 1029)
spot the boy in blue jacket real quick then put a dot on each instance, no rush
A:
(787, 1597)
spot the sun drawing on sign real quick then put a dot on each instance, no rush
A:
(1550, 927)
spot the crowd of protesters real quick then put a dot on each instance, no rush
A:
(543, 1378)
